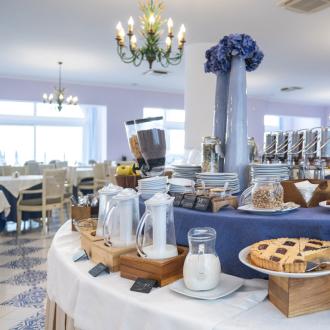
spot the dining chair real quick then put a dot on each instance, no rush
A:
(100, 175)
(6, 170)
(52, 196)
(32, 168)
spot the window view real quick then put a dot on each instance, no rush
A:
(38, 131)
(174, 120)
(288, 123)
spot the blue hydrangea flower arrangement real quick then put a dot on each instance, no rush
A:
(219, 56)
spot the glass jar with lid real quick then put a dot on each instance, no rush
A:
(267, 193)
(212, 156)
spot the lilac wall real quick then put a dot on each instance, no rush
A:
(126, 104)
(122, 104)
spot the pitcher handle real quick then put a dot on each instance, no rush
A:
(139, 232)
(106, 236)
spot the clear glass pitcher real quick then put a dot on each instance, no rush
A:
(122, 219)
(201, 270)
(155, 236)
(105, 197)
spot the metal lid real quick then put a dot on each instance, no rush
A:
(146, 120)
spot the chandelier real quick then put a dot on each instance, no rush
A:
(58, 96)
(151, 32)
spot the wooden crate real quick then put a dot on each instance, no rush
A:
(293, 296)
(165, 271)
(87, 238)
(107, 255)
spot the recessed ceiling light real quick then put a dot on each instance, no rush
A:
(291, 89)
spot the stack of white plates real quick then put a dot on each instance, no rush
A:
(219, 180)
(269, 170)
(150, 186)
(186, 171)
(179, 185)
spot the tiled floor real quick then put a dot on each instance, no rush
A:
(23, 276)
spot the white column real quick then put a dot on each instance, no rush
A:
(199, 96)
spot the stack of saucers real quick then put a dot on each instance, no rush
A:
(219, 180)
(150, 186)
(185, 171)
(179, 185)
(269, 170)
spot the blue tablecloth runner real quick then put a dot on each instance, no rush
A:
(236, 230)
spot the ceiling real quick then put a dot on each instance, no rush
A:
(35, 34)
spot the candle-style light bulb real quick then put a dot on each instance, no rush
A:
(50, 98)
(182, 33)
(170, 26)
(133, 41)
(75, 100)
(61, 97)
(69, 99)
(168, 42)
(119, 27)
(152, 21)
(130, 24)
(45, 97)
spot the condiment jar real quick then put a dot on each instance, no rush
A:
(267, 193)
(212, 156)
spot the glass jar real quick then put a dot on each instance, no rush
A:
(133, 142)
(267, 193)
(212, 155)
(201, 270)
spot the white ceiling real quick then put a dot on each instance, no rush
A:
(35, 34)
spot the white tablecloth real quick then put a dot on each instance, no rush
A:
(4, 205)
(75, 174)
(15, 185)
(107, 303)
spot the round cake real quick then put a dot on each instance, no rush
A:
(288, 254)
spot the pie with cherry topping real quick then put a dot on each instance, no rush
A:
(288, 254)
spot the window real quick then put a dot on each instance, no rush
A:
(287, 123)
(174, 120)
(40, 132)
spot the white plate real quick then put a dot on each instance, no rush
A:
(243, 257)
(324, 204)
(181, 182)
(227, 285)
(251, 209)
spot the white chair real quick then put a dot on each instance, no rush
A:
(102, 175)
(32, 168)
(52, 196)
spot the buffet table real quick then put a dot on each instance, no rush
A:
(79, 301)
(236, 230)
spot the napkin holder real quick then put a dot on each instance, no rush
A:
(164, 271)
(292, 193)
(81, 213)
(299, 296)
(87, 238)
(109, 256)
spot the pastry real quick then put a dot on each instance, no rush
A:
(288, 254)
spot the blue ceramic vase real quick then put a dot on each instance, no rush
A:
(220, 111)
(236, 147)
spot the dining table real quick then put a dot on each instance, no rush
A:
(77, 300)
(11, 187)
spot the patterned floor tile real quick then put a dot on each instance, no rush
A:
(34, 322)
(12, 319)
(8, 292)
(20, 251)
(29, 277)
(5, 310)
(34, 297)
(24, 263)
(17, 241)
(6, 273)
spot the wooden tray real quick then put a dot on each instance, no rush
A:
(81, 213)
(107, 255)
(165, 271)
(86, 240)
(299, 296)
